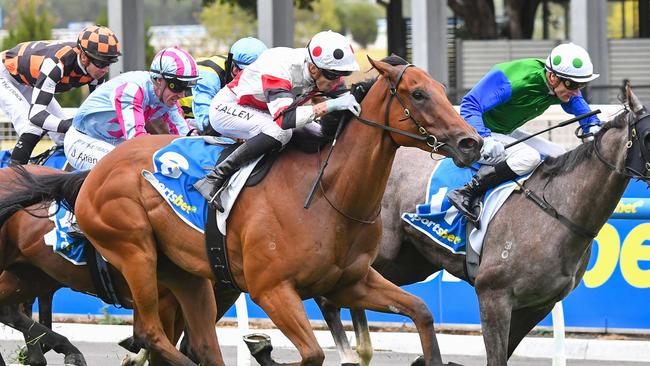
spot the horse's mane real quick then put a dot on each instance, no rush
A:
(565, 163)
(329, 122)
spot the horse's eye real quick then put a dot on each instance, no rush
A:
(418, 95)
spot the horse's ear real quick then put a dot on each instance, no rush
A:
(382, 67)
(632, 100)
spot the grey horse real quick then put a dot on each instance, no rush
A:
(546, 259)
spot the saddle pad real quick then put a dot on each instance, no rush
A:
(56, 160)
(69, 246)
(179, 165)
(438, 219)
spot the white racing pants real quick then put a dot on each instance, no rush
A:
(15, 101)
(242, 122)
(524, 157)
(83, 151)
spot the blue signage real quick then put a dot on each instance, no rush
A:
(614, 292)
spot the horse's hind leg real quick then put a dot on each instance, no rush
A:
(332, 316)
(284, 307)
(377, 293)
(523, 320)
(192, 293)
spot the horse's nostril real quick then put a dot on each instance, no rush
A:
(468, 144)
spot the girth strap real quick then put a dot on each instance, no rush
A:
(215, 245)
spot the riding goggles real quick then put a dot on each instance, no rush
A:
(334, 74)
(100, 64)
(177, 85)
(572, 85)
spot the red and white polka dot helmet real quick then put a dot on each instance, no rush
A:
(332, 51)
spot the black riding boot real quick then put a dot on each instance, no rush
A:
(213, 183)
(23, 149)
(467, 198)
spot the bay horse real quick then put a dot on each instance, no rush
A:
(278, 252)
(542, 266)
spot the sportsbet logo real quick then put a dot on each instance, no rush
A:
(634, 254)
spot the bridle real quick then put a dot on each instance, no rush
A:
(633, 141)
(637, 166)
(430, 139)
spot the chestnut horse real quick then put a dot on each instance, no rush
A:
(279, 252)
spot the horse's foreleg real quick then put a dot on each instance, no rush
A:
(377, 293)
(522, 321)
(36, 333)
(495, 308)
(332, 316)
(284, 307)
(362, 332)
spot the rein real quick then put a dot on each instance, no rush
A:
(430, 139)
(575, 228)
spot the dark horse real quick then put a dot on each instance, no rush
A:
(279, 252)
(517, 285)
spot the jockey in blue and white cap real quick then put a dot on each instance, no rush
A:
(267, 100)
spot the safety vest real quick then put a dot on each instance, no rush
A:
(215, 64)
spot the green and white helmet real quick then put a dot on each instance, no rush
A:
(571, 61)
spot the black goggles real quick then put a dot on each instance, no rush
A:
(177, 85)
(100, 64)
(572, 85)
(334, 74)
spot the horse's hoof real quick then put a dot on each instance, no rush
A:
(76, 359)
(258, 342)
(130, 345)
(418, 361)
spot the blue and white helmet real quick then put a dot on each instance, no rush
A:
(174, 63)
(246, 50)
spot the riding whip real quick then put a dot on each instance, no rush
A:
(561, 124)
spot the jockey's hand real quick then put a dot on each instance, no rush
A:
(492, 149)
(590, 131)
(346, 102)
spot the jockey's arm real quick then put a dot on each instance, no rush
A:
(577, 105)
(50, 74)
(177, 124)
(128, 101)
(202, 94)
(491, 91)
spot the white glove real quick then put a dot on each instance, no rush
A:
(591, 131)
(492, 149)
(346, 102)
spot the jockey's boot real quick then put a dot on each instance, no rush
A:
(467, 198)
(214, 182)
(23, 149)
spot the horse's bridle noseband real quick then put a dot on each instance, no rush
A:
(637, 160)
(430, 139)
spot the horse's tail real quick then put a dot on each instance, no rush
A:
(29, 189)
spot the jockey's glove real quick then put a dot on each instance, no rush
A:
(343, 103)
(590, 132)
(492, 149)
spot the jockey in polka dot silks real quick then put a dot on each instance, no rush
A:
(268, 99)
(119, 109)
(507, 97)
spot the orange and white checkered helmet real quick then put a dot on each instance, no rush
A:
(99, 43)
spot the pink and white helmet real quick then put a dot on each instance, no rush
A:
(332, 51)
(174, 63)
